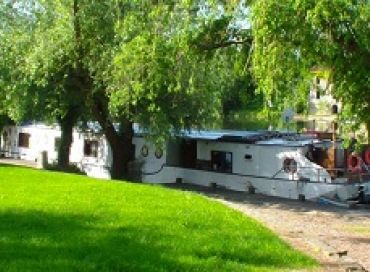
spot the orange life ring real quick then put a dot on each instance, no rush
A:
(354, 163)
(367, 156)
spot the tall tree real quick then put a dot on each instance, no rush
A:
(125, 62)
(37, 78)
(293, 37)
(159, 78)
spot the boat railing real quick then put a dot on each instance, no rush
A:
(320, 173)
(278, 172)
(10, 153)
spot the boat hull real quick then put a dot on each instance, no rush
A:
(278, 187)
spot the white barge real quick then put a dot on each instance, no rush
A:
(287, 165)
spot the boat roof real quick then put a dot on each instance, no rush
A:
(259, 137)
(263, 137)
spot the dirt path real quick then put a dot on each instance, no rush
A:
(339, 238)
(17, 162)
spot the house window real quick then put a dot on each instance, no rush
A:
(56, 144)
(91, 148)
(24, 140)
(222, 161)
(334, 109)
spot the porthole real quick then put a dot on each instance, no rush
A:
(290, 165)
(144, 151)
(158, 153)
(286, 165)
(293, 166)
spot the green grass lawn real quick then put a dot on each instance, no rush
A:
(61, 222)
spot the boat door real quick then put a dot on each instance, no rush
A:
(188, 153)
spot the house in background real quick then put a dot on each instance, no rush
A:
(323, 108)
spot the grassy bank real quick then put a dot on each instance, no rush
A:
(63, 222)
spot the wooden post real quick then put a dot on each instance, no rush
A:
(334, 143)
(42, 160)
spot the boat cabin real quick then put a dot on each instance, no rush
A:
(282, 164)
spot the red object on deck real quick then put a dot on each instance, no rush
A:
(354, 163)
(367, 155)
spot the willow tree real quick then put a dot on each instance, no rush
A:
(180, 63)
(142, 61)
(38, 68)
(68, 61)
(121, 61)
(163, 77)
(55, 66)
(293, 37)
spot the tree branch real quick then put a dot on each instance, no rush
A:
(224, 44)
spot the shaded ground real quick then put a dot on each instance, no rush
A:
(339, 238)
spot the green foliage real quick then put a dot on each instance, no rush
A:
(36, 63)
(4, 120)
(158, 61)
(168, 72)
(163, 86)
(294, 38)
(168, 65)
(64, 222)
(240, 93)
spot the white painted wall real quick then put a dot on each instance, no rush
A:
(280, 188)
(42, 138)
(150, 163)
(266, 159)
(240, 164)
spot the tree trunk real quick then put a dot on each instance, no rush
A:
(120, 141)
(121, 146)
(68, 121)
(66, 125)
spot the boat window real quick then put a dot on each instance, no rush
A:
(57, 141)
(222, 161)
(309, 154)
(24, 140)
(132, 151)
(91, 148)
(248, 156)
